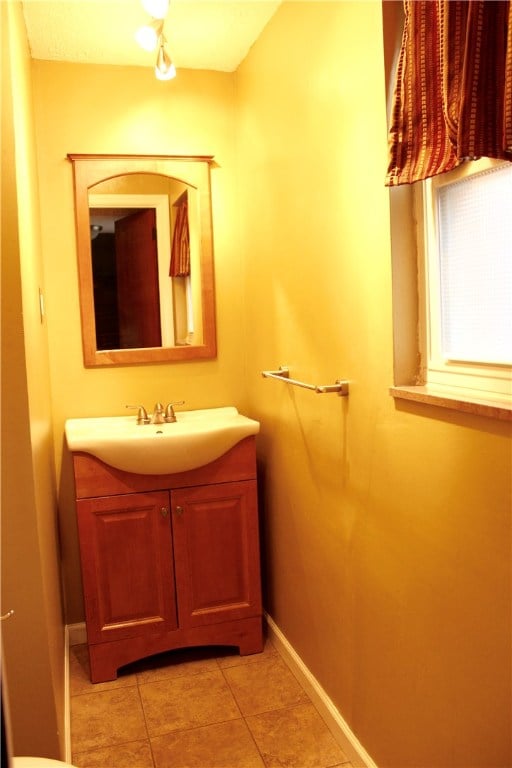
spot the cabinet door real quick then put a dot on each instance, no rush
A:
(127, 565)
(216, 553)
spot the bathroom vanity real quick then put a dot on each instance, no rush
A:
(169, 560)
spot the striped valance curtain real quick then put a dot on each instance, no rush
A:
(180, 252)
(453, 91)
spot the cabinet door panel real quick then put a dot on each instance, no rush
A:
(216, 553)
(127, 565)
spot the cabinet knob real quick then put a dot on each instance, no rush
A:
(179, 510)
(164, 511)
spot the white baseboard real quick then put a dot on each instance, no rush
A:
(339, 728)
(67, 700)
(74, 634)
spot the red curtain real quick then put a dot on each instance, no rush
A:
(180, 251)
(453, 91)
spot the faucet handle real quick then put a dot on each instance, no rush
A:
(142, 416)
(170, 416)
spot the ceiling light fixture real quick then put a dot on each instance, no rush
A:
(164, 69)
(151, 35)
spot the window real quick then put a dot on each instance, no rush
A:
(451, 235)
(457, 292)
(464, 231)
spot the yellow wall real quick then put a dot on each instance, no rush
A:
(387, 527)
(33, 639)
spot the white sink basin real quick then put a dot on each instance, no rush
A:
(195, 439)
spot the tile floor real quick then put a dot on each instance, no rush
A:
(198, 708)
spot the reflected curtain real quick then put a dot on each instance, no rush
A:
(180, 251)
(453, 91)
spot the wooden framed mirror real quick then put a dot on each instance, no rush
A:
(145, 258)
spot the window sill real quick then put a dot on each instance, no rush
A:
(431, 395)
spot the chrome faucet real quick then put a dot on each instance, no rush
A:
(159, 416)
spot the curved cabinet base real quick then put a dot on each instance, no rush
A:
(106, 658)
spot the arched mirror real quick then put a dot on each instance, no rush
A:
(145, 258)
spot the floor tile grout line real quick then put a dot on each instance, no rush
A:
(231, 692)
(107, 746)
(196, 727)
(145, 722)
(103, 690)
(340, 765)
(284, 708)
(244, 719)
(255, 742)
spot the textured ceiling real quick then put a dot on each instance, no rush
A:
(201, 35)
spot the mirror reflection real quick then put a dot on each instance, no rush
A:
(144, 249)
(145, 258)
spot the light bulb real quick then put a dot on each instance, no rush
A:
(147, 37)
(156, 8)
(164, 69)
(171, 72)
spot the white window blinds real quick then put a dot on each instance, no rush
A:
(475, 267)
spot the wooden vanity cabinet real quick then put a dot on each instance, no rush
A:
(169, 561)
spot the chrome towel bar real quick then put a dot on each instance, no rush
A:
(283, 374)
